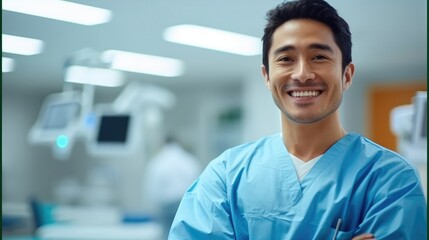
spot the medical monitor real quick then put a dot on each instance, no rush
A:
(419, 129)
(58, 116)
(115, 133)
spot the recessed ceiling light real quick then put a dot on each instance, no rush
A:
(214, 39)
(142, 63)
(21, 45)
(7, 64)
(94, 76)
(59, 10)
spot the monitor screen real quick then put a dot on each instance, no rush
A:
(419, 133)
(424, 120)
(114, 133)
(113, 129)
(423, 131)
(58, 116)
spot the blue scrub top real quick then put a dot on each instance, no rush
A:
(252, 192)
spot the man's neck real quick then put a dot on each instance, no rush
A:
(307, 141)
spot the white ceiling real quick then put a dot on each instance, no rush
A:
(389, 39)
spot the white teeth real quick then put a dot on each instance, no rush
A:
(305, 93)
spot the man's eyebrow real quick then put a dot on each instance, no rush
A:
(284, 49)
(319, 46)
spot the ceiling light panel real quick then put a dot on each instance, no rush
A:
(214, 39)
(7, 64)
(142, 63)
(94, 76)
(59, 10)
(21, 45)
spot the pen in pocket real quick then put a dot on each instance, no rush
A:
(337, 228)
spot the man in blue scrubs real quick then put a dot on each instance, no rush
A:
(314, 180)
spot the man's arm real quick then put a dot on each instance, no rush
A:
(398, 206)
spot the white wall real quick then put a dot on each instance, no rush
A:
(195, 115)
(18, 161)
(261, 115)
(352, 109)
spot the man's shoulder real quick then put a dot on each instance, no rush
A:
(371, 145)
(246, 151)
(379, 152)
(255, 145)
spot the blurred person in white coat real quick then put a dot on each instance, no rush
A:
(168, 175)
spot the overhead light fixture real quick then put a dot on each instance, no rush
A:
(59, 10)
(214, 39)
(141, 63)
(7, 64)
(21, 45)
(94, 76)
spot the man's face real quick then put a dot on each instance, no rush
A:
(305, 74)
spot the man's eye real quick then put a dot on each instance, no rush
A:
(285, 59)
(319, 57)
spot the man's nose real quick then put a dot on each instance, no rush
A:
(303, 72)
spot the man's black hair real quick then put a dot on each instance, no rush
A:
(317, 10)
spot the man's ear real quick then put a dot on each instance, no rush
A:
(266, 76)
(348, 76)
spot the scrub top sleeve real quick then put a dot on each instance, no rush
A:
(398, 210)
(204, 211)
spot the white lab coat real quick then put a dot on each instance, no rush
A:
(167, 177)
(169, 174)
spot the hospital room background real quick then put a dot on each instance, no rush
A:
(56, 105)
